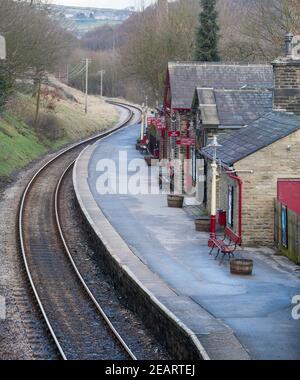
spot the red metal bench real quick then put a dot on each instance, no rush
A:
(228, 245)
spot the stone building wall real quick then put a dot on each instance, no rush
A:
(260, 188)
(269, 164)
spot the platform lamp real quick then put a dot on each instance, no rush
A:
(213, 219)
(143, 122)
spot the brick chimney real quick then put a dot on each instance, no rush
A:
(287, 77)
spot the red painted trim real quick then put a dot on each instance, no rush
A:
(213, 230)
(167, 104)
(182, 109)
(240, 183)
(163, 134)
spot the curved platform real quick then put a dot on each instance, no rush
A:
(171, 316)
(161, 266)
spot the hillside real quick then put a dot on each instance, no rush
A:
(20, 143)
(84, 19)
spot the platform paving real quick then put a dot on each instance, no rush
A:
(234, 317)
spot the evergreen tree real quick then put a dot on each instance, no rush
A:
(207, 35)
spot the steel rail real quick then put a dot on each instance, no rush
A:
(22, 210)
(89, 292)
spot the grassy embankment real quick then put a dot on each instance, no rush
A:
(20, 143)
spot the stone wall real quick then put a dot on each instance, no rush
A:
(274, 162)
(260, 188)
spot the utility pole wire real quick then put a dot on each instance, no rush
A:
(76, 71)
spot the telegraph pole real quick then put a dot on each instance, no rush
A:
(67, 73)
(87, 61)
(101, 73)
(2, 48)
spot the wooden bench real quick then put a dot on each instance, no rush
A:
(228, 245)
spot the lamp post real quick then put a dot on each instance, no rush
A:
(143, 121)
(213, 217)
(146, 113)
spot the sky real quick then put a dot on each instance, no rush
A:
(118, 4)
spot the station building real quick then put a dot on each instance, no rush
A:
(258, 160)
(235, 94)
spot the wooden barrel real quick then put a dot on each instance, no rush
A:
(203, 224)
(175, 201)
(241, 266)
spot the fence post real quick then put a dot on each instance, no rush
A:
(275, 222)
(292, 218)
(297, 239)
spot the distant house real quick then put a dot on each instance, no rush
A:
(255, 161)
(80, 15)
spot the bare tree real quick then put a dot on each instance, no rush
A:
(255, 29)
(154, 38)
(35, 44)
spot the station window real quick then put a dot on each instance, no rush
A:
(230, 213)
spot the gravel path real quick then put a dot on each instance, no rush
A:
(22, 334)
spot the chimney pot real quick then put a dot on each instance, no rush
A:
(288, 45)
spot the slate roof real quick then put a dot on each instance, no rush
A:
(206, 100)
(186, 76)
(263, 132)
(232, 108)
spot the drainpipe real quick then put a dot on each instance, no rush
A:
(240, 184)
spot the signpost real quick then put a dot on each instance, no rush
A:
(161, 127)
(184, 141)
(2, 48)
(151, 121)
(174, 133)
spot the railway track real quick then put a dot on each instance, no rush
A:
(77, 323)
